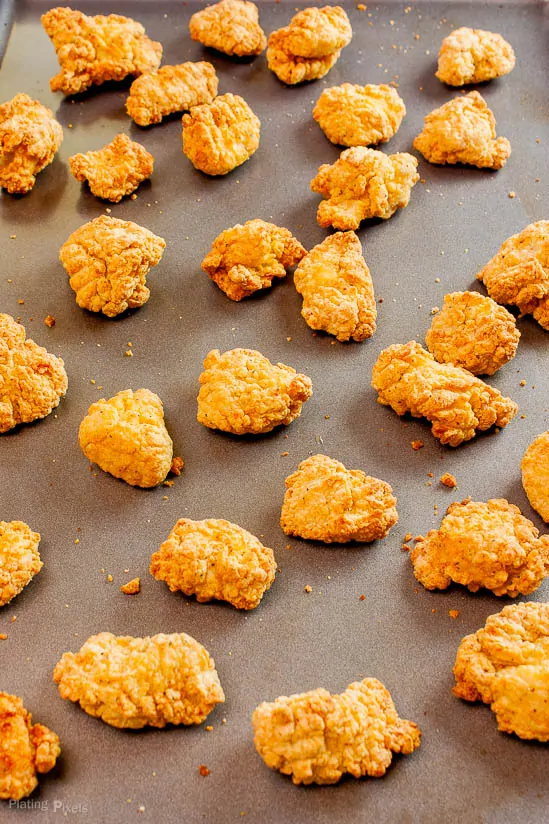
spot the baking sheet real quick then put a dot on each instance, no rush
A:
(400, 633)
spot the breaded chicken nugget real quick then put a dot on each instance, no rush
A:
(506, 664)
(483, 545)
(32, 381)
(108, 261)
(291, 69)
(136, 682)
(463, 131)
(243, 392)
(317, 737)
(408, 379)
(215, 559)
(473, 56)
(92, 50)
(315, 33)
(29, 138)
(535, 475)
(219, 136)
(473, 332)
(247, 257)
(230, 26)
(171, 89)
(19, 558)
(363, 183)
(114, 171)
(352, 115)
(337, 288)
(519, 274)
(324, 501)
(25, 749)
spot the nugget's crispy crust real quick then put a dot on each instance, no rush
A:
(463, 131)
(483, 545)
(127, 437)
(92, 50)
(136, 682)
(114, 171)
(363, 183)
(19, 558)
(352, 115)
(316, 737)
(291, 69)
(337, 288)
(506, 664)
(247, 257)
(243, 392)
(231, 26)
(215, 559)
(108, 261)
(32, 381)
(315, 32)
(408, 379)
(519, 274)
(171, 89)
(219, 136)
(25, 749)
(473, 332)
(535, 474)
(29, 138)
(473, 56)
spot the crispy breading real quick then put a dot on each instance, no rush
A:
(518, 274)
(337, 288)
(473, 56)
(136, 682)
(474, 332)
(171, 89)
(108, 261)
(92, 50)
(483, 545)
(315, 32)
(242, 392)
(324, 501)
(363, 183)
(535, 474)
(506, 664)
(409, 379)
(463, 131)
(114, 171)
(353, 115)
(127, 437)
(215, 559)
(219, 136)
(317, 737)
(291, 69)
(19, 558)
(32, 381)
(247, 257)
(29, 138)
(25, 749)
(230, 26)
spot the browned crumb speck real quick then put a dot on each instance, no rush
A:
(177, 465)
(132, 587)
(49, 320)
(203, 770)
(448, 480)
(453, 613)
(417, 445)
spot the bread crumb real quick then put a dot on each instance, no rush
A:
(405, 548)
(362, 597)
(3, 636)
(417, 445)
(203, 770)
(284, 454)
(523, 383)
(512, 194)
(177, 465)
(110, 579)
(453, 613)
(209, 728)
(49, 320)
(307, 588)
(132, 587)
(408, 537)
(448, 480)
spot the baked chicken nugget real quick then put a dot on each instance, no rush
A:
(337, 288)
(221, 135)
(506, 664)
(483, 545)
(92, 50)
(535, 475)
(352, 115)
(114, 171)
(171, 89)
(32, 381)
(243, 392)
(25, 749)
(29, 138)
(19, 558)
(408, 379)
(317, 737)
(291, 69)
(363, 183)
(215, 559)
(473, 56)
(463, 131)
(108, 261)
(136, 682)
(324, 501)
(315, 32)
(519, 274)
(247, 257)
(231, 26)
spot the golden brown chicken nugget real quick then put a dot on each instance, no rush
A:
(535, 475)
(353, 115)
(291, 69)
(315, 32)
(114, 171)
(473, 56)
(230, 26)
(19, 558)
(171, 89)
